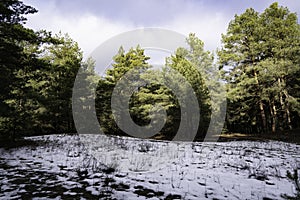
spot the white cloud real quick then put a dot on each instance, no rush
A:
(90, 31)
(208, 27)
(90, 28)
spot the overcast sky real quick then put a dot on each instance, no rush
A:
(91, 22)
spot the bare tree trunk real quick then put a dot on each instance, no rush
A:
(287, 111)
(284, 105)
(281, 103)
(274, 115)
(263, 115)
(261, 107)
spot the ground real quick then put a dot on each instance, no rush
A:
(102, 167)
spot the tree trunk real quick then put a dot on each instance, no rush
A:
(263, 115)
(287, 111)
(284, 106)
(261, 107)
(281, 104)
(274, 114)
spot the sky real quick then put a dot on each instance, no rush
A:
(91, 22)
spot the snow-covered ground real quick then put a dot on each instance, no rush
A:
(102, 167)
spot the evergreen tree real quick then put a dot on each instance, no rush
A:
(65, 59)
(134, 60)
(261, 51)
(196, 65)
(191, 64)
(19, 65)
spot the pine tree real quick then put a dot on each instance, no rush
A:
(196, 65)
(19, 65)
(65, 59)
(261, 52)
(134, 60)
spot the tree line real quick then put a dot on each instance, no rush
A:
(258, 61)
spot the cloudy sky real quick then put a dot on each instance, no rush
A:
(91, 22)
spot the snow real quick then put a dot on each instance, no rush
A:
(98, 166)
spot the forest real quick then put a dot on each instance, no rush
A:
(259, 63)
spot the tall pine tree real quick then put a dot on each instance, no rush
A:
(262, 54)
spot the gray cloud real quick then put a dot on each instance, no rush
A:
(92, 22)
(155, 12)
